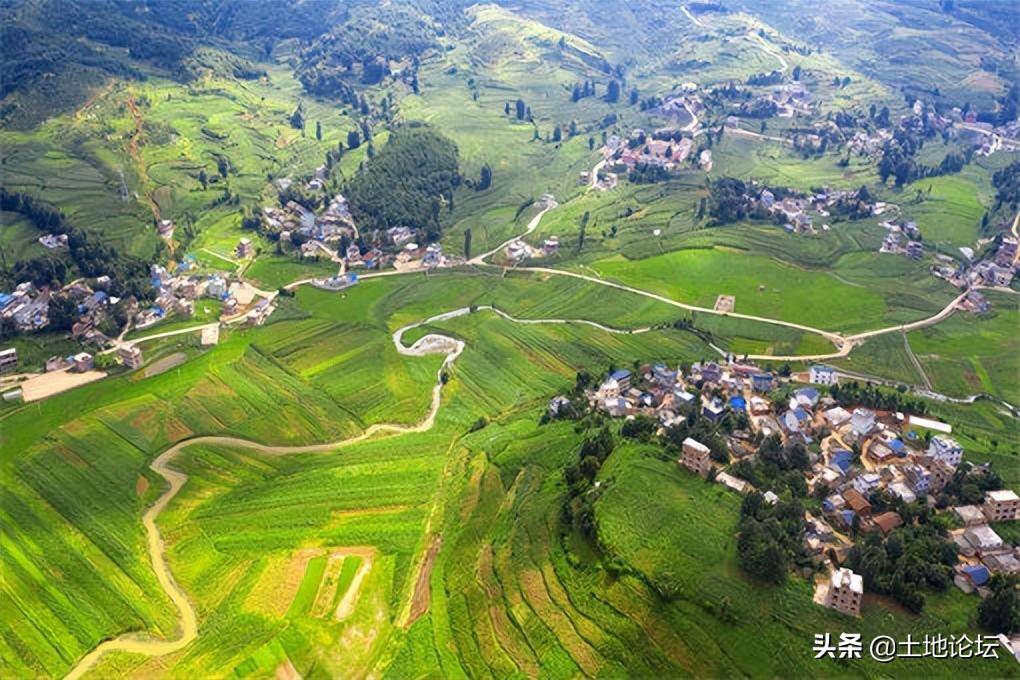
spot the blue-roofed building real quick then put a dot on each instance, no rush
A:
(841, 460)
(848, 517)
(622, 378)
(761, 382)
(738, 404)
(796, 419)
(977, 574)
(898, 447)
(806, 396)
(5, 299)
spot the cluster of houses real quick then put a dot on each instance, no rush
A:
(177, 292)
(293, 222)
(26, 307)
(665, 148)
(903, 239)
(666, 394)
(791, 99)
(996, 271)
(794, 210)
(853, 454)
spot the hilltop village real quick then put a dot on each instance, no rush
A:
(859, 464)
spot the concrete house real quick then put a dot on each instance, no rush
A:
(945, 449)
(696, 456)
(846, 590)
(823, 375)
(1002, 505)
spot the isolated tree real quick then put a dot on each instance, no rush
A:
(353, 139)
(796, 72)
(485, 178)
(467, 243)
(506, 108)
(613, 92)
(203, 178)
(633, 96)
(521, 109)
(223, 165)
(297, 119)
(318, 130)
(557, 135)
(573, 128)
(591, 143)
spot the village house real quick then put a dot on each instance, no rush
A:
(887, 521)
(130, 356)
(823, 375)
(82, 362)
(945, 449)
(846, 589)
(1002, 505)
(970, 515)
(695, 456)
(862, 422)
(8, 359)
(857, 502)
(983, 539)
(971, 577)
(244, 248)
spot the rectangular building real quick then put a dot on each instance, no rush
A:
(696, 457)
(8, 359)
(1002, 505)
(846, 590)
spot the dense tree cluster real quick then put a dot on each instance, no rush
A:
(769, 537)
(760, 79)
(579, 504)
(406, 183)
(1000, 611)
(1007, 185)
(853, 393)
(776, 468)
(911, 560)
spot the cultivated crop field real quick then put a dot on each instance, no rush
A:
(323, 495)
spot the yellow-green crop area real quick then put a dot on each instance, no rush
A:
(331, 523)
(312, 560)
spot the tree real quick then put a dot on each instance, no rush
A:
(297, 119)
(613, 92)
(591, 146)
(485, 178)
(506, 108)
(223, 166)
(1000, 611)
(203, 178)
(521, 109)
(467, 243)
(796, 72)
(318, 131)
(580, 233)
(353, 139)
(557, 134)
(633, 96)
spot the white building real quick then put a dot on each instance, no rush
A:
(823, 375)
(945, 449)
(862, 421)
(846, 589)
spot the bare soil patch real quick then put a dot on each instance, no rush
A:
(422, 591)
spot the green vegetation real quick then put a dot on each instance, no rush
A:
(495, 541)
